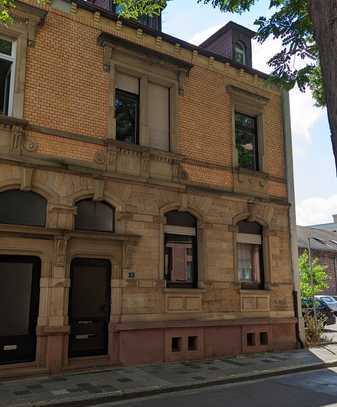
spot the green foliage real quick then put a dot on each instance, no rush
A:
(136, 8)
(312, 281)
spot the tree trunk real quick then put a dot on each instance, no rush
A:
(324, 17)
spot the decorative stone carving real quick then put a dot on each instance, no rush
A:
(183, 303)
(251, 183)
(254, 303)
(179, 174)
(31, 146)
(61, 216)
(181, 82)
(61, 243)
(100, 157)
(145, 164)
(26, 179)
(112, 161)
(99, 189)
(107, 58)
(17, 139)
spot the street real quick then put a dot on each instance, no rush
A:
(312, 389)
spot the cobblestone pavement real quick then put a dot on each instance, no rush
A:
(125, 381)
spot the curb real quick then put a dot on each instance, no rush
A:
(121, 396)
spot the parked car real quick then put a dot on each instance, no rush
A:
(330, 301)
(322, 310)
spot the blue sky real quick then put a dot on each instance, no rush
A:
(315, 175)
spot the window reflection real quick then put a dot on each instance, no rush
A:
(180, 250)
(246, 141)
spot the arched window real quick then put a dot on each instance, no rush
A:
(22, 208)
(240, 53)
(181, 266)
(95, 216)
(250, 255)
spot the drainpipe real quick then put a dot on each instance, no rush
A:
(288, 150)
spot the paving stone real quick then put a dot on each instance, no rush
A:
(75, 390)
(22, 392)
(124, 380)
(56, 379)
(60, 392)
(108, 387)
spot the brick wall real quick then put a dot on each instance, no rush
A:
(67, 89)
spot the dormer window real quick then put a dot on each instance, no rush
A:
(240, 53)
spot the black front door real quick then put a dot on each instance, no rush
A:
(89, 307)
(19, 306)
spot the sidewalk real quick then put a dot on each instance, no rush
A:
(89, 388)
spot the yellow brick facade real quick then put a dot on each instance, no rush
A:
(60, 149)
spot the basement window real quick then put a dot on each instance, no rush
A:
(263, 338)
(176, 344)
(7, 71)
(251, 339)
(192, 343)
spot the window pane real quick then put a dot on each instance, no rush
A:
(15, 294)
(246, 141)
(249, 263)
(96, 216)
(5, 82)
(127, 106)
(184, 219)
(253, 228)
(22, 208)
(180, 261)
(5, 46)
(239, 54)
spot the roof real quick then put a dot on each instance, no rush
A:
(169, 38)
(326, 226)
(229, 26)
(322, 240)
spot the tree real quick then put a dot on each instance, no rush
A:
(307, 30)
(313, 279)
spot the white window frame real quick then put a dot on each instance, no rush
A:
(12, 59)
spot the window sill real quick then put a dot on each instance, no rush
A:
(184, 290)
(255, 291)
(256, 173)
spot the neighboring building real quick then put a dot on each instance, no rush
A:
(328, 226)
(323, 246)
(144, 209)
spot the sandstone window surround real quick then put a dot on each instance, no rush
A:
(265, 253)
(181, 260)
(200, 249)
(22, 32)
(250, 255)
(253, 105)
(161, 80)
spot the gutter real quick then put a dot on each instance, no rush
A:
(288, 152)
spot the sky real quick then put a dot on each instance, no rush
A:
(315, 174)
